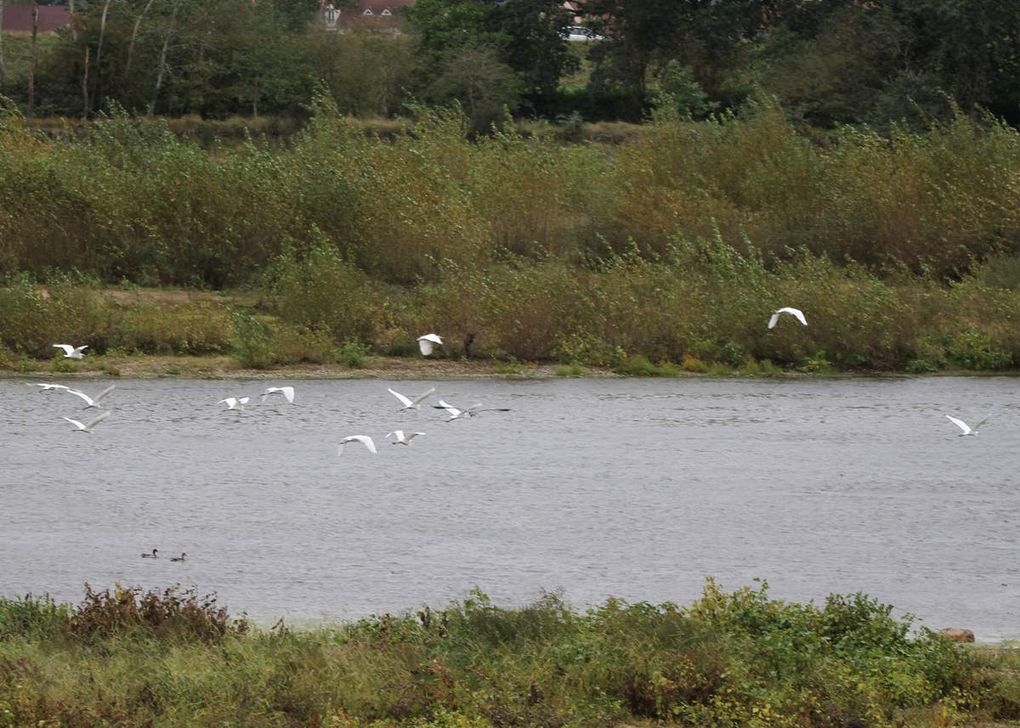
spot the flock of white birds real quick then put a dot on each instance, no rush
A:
(426, 344)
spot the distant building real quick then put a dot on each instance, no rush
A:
(378, 14)
(18, 18)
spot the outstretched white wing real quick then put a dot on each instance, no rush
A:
(229, 401)
(287, 392)
(88, 400)
(428, 342)
(68, 349)
(77, 424)
(795, 312)
(47, 387)
(978, 425)
(422, 397)
(959, 423)
(105, 392)
(97, 420)
(403, 400)
(363, 439)
(449, 408)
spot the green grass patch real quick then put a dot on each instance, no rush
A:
(729, 659)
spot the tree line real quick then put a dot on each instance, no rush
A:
(829, 63)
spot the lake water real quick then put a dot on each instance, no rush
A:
(631, 488)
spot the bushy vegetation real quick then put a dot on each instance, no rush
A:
(673, 246)
(728, 659)
(33, 318)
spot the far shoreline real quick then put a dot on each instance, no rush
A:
(223, 367)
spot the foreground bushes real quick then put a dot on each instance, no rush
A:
(729, 659)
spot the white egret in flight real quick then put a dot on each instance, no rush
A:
(363, 439)
(71, 352)
(428, 342)
(411, 403)
(967, 429)
(233, 403)
(92, 401)
(287, 392)
(402, 437)
(796, 312)
(456, 414)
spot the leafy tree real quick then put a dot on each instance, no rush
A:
(524, 35)
(641, 34)
(534, 45)
(481, 83)
(367, 73)
(446, 27)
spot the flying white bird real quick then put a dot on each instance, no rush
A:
(233, 403)
(967, 429)
(411, 403)
(71, 352)
(88, 428)
(402, 438)
(428, 342)
(287, 392)
(792, 311)
(47, 387)
(363, 439)
(90, 401)
(456, 414)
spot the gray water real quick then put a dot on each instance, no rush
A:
(631, 488)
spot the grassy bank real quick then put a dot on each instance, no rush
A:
(729, 659)
(631, 316)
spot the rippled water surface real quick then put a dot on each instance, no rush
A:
(630, 488)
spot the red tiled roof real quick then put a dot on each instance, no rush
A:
(18, 18)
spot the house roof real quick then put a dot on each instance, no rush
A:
(18, 18)
(387, 12)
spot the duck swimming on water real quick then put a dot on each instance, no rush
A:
(153, 555)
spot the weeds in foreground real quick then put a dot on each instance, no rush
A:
(729, 659)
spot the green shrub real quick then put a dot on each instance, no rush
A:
(192, 328)
(34, 317)
(33, 617)
(974, 350)
(253, 341)
(319, 290)
(353, 354)
(297, 344)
